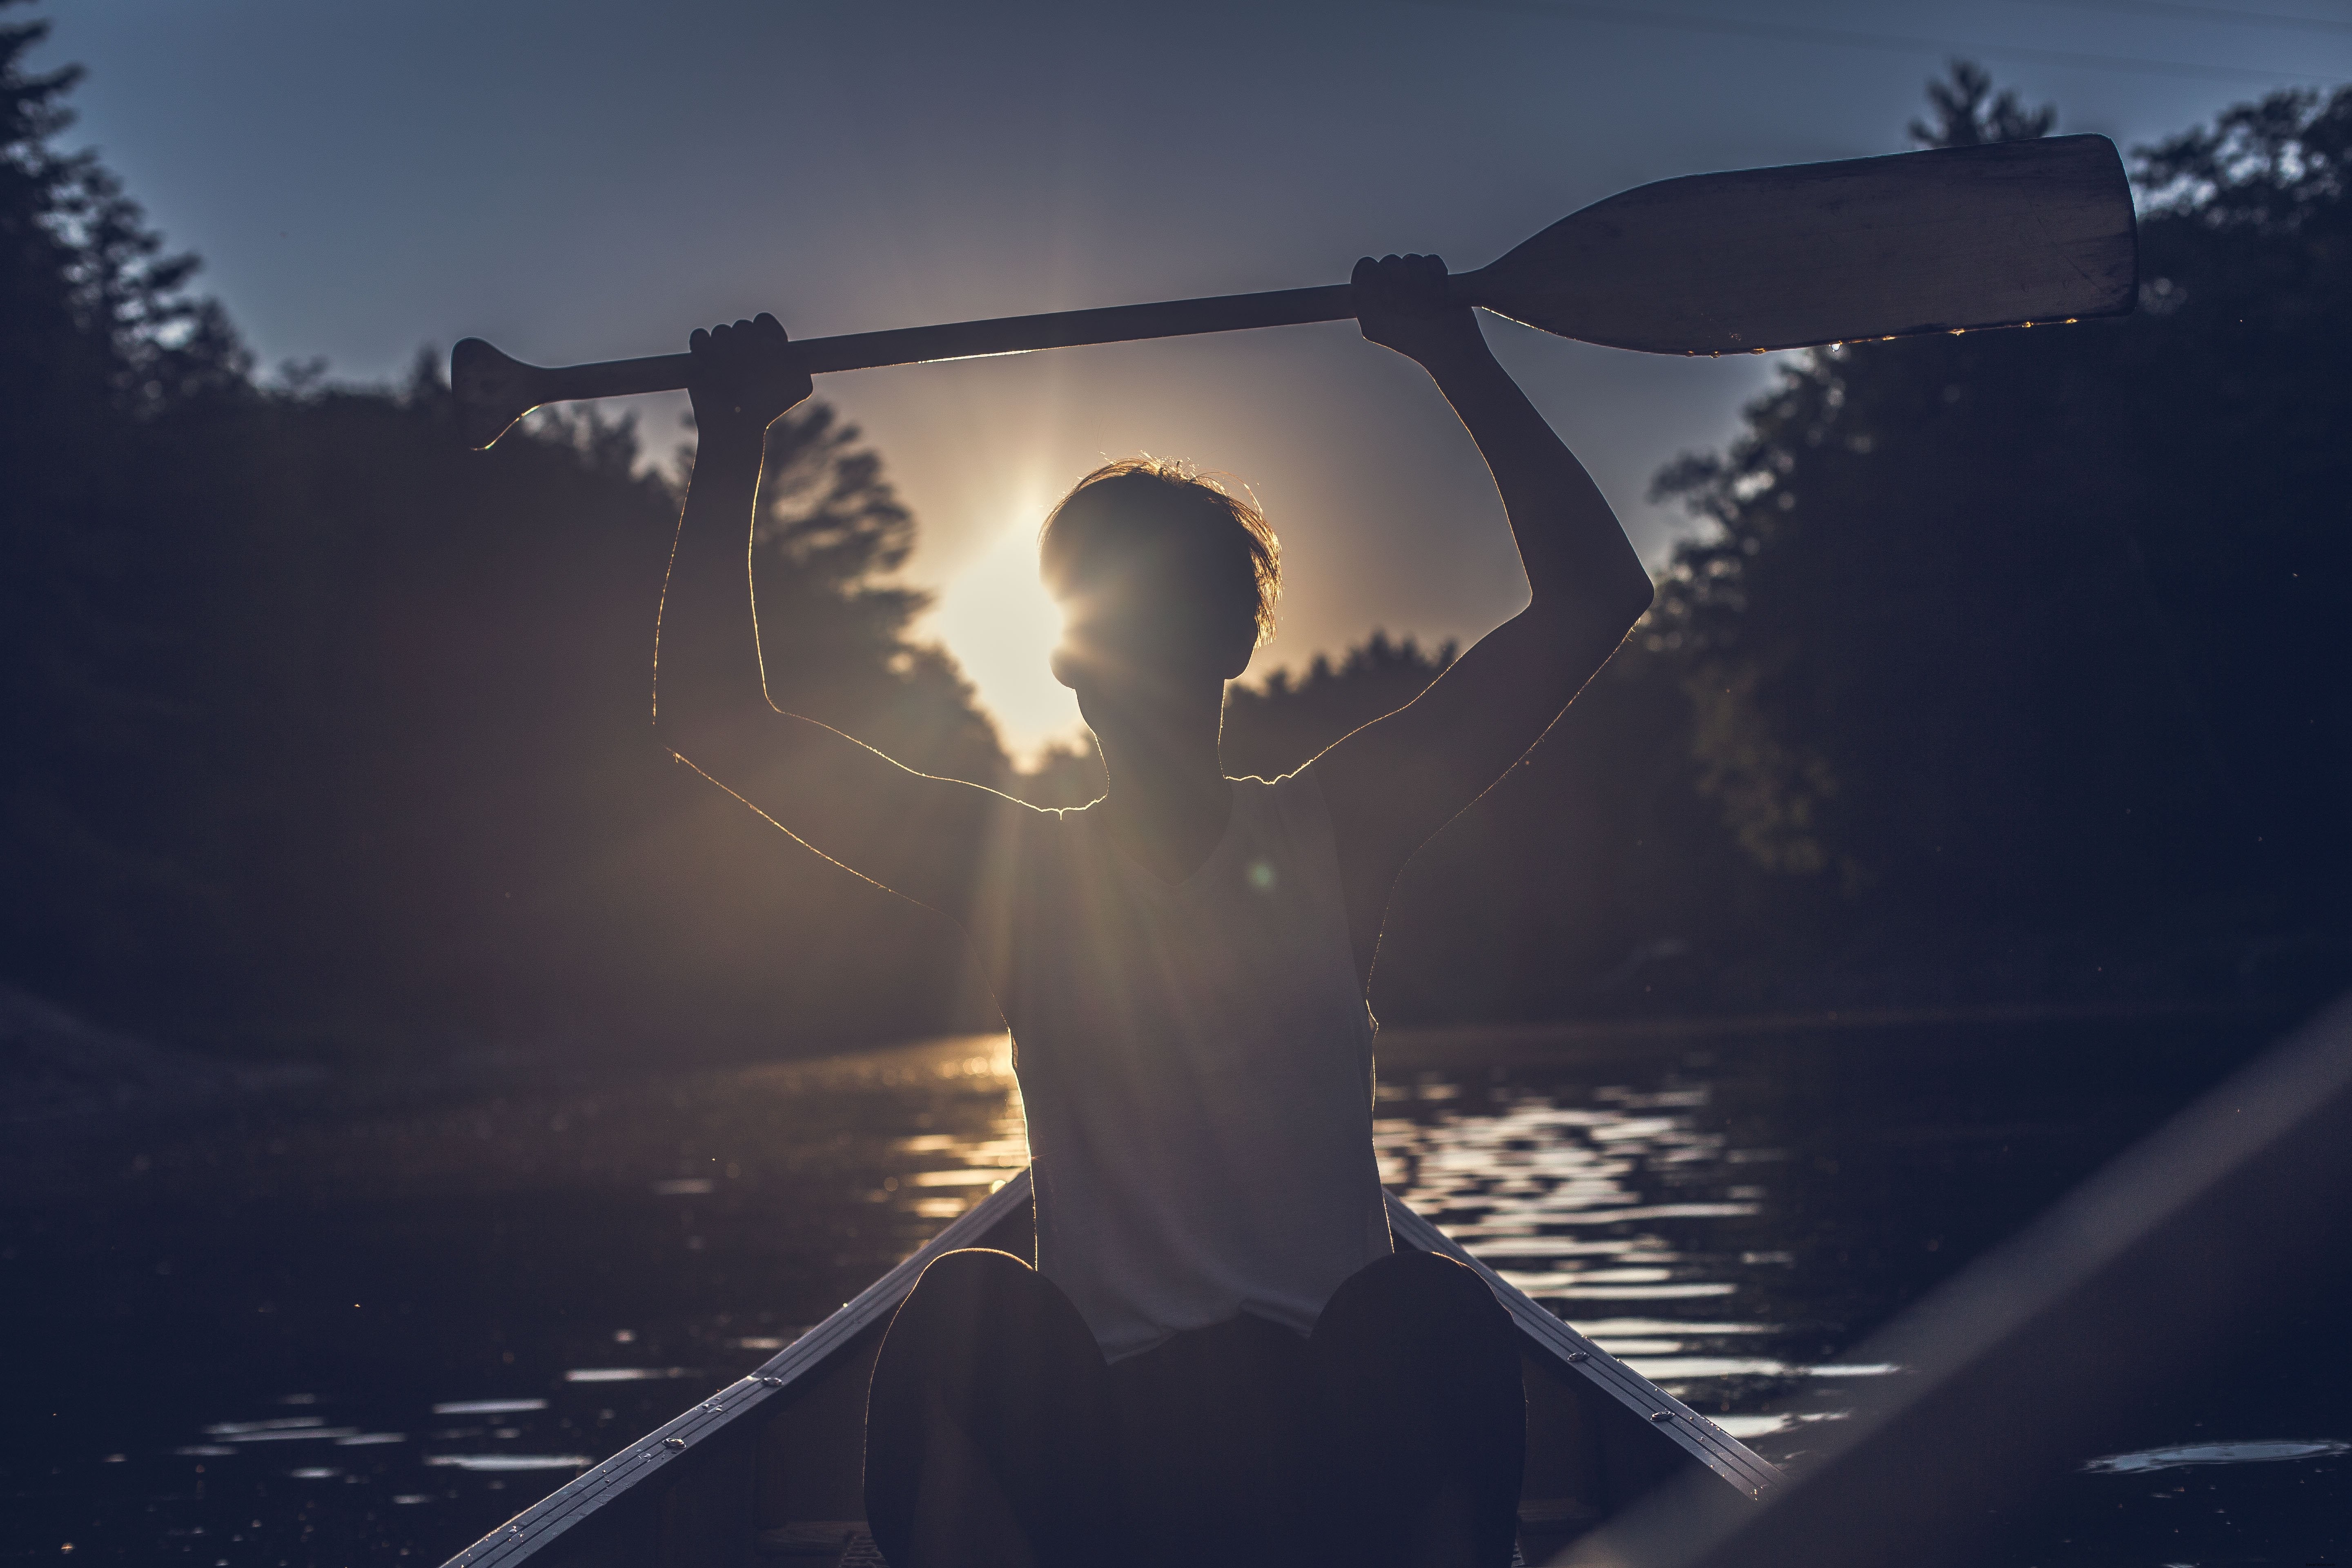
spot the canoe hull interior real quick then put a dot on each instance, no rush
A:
(770, 1469)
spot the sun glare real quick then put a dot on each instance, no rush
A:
(1001, 625)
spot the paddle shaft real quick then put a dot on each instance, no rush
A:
(973, 340)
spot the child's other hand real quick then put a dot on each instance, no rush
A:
(1401, 304)
(744, 376)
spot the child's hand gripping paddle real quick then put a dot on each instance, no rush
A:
(2003, 235)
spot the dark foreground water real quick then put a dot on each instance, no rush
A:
(345, 1336)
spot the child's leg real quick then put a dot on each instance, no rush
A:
(988, 1407)
(1418, 1366)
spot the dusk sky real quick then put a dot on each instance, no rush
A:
(592, 180)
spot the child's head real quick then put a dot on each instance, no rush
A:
(1161, 572)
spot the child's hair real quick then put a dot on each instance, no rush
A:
(1138, 501)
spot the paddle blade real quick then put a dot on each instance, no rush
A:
(1817, 253)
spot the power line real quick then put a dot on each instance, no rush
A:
(2207, 13)
(1808, 33)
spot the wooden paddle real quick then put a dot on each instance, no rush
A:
(2010, 234)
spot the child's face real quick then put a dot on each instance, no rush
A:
(1167, 617)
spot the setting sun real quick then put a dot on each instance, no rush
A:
(1001, 625)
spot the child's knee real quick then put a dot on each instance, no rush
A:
(1420, 1285)
(974, 1280)
(1456, 1290)
(1419, 1314)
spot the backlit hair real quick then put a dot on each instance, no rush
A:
(1132, 500)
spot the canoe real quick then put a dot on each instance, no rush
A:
(768, 1470)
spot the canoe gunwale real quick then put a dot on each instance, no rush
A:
(776, 1380)
(540, 1524)
(1705, 1441)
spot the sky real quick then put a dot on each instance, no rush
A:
(592, 180)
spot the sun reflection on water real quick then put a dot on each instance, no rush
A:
(1595, 1199)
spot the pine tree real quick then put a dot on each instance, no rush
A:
(323, 730)
(2033, 629)
(103, 339)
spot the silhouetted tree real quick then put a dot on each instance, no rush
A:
(2004, 657)
(1968, 113)
(1563, 889)
(477, 687)
(2042, 629)
(1282, 721)
(324, 729)
(103, 342)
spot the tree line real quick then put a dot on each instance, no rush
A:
(2004, 668)
(2009, 667)
(328, 735)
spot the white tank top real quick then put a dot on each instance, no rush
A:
(1196, 1066)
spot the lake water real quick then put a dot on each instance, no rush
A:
(357, 1335)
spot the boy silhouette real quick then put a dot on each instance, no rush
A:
(1219, 1356)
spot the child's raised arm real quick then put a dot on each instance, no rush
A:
(841, 797)
(1396, 781)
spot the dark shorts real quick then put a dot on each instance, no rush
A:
(1239, 1443)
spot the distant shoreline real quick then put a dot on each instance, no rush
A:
(1446, 1044)
(61, 1075)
